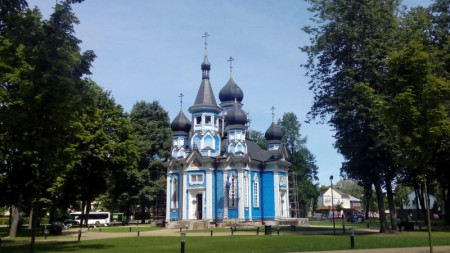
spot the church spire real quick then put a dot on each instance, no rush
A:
(206, 66)
(205, 96)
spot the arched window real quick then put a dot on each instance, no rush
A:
(208, 141)
(174, 193)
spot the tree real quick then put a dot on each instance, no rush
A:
(105, 147)
(302, 162)
(346, 60)
(259, 138)
(152, 126)
(419, 111)
(41, 77)
(350, 187)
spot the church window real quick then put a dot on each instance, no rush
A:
(174, 193)
(238, 135)
(245, 191)
(198, 120)
(208, 141)
(233, 191)
(196, 142)
(256, 192)
(208, 120)
(196, 179)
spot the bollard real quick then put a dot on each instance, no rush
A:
(278, 230)
(257, 231)
(211, 232)
(138, 231)
(100, 229)
(343, 228)
(129, 229)
(352, 239)
(181, 228)
(183, 240)
(231, 230)
(79, 235)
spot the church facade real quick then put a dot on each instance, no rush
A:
(216, 173)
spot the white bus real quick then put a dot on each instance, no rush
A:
(94, 218)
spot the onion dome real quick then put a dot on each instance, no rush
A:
(236, 116)
(273, 133)
(231, 92)
(181, 123)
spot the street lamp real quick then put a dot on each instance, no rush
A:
(332, 204)
(183, 240)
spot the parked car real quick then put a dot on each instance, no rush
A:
(69, 222)
(56, 228)
(355, 218)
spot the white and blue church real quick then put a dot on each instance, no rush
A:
(216, 173)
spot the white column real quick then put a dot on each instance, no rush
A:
(225, 195)
(168, 197)
(209, 196)
(276, 178)
(241, 215)
(184, 196)
(288, 211)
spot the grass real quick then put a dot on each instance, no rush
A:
(237, 244)
(287, 241)
(125, 229)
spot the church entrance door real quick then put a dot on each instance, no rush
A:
(199, 206)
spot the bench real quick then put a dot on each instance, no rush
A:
(244, 228)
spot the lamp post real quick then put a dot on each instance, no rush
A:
(183, 240)
(332, 204)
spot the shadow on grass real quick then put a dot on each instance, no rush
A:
(57, 247)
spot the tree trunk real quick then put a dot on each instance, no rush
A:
(368, 198)
(142, 212)
(417, 193)
(446, 195)
(15, 217)
(83, 208)
(421, 196)
(34, 222)
(391, 203)
(381, 209)
(30, 220)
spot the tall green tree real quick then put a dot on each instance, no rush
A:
(303, 163)
(41, 76)
(152, 126)
(419, 111)
(346, 59)
(105, 146)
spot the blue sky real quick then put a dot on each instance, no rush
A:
(152, 50)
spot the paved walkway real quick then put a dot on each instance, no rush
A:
(72, 235)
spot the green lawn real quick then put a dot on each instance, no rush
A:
(237, 244)
(125, 229)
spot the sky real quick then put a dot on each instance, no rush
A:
(151, 50)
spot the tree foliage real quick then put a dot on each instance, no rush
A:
(152, 127)
(41, 75)
(303, 162)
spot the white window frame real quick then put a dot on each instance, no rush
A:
(196, 178)
(256, 192)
